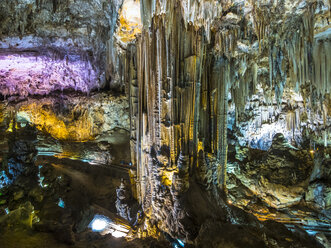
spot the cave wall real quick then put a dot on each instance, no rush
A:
(206, 76)
(70, 40)
(207, 81)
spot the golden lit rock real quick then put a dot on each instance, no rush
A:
(129, 21)
(46, 120)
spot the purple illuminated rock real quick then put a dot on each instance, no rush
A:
(80, 29)
(28, 74)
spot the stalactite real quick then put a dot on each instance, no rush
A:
(170, 102)
(310, 58)
(222, 87)
(186, 63)
(322, 63)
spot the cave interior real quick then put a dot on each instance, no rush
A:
(165, 123)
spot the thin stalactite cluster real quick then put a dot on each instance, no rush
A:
(192, 61)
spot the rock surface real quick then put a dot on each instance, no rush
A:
(73, 117)
(55, 45)
(279, 176)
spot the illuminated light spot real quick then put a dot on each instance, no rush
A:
(181, 242)
(118, 234)
(312, 153)
(167, 177)
(104, 225)
(99, 223)
(61, 203)
(10, 128)
(230, 202)
(200, 146)
(36, 219)
(7, 211)
(311, 232)
(40, 178)
(119, 228)
(40, 153)
(42, 184)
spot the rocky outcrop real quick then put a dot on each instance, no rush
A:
(318, 195)
(126, 206)
(92, 128)
(285, 184)
(72, 117)
(33, 73)
(280, 176)
(54, 199)
(19, 161)
(56, 45)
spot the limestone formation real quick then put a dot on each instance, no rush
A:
(158, 123)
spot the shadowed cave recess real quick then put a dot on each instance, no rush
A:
(165, 123)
